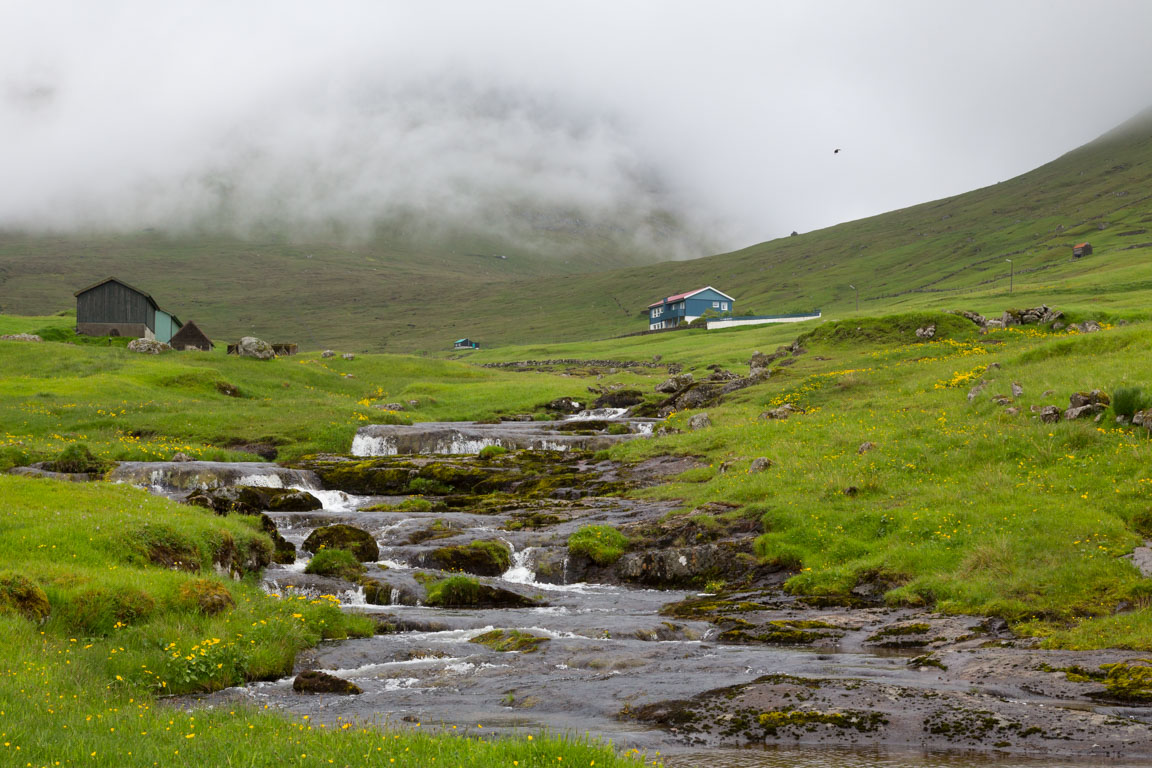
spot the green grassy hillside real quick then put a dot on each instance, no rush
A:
(936, 255)
(395, 296)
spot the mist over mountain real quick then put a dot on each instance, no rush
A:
(433, 157)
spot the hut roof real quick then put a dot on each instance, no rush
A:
(145, 294)
(190, 335)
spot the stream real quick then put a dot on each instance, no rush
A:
(606, 649)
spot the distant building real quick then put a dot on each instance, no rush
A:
(191, 337)
(465, 344)
(1083, 249)
(111, 307)
(686, 307)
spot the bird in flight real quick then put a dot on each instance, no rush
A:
(836, 151)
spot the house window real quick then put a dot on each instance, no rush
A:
(715, 305)
(724, 306)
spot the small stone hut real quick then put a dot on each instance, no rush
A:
(191, 337)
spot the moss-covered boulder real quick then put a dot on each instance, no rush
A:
(340, 536)
(335, 562)
(483, 558)
(206, 596)
(315, 681)
(507, 640)
(466, 592)
(21, 595)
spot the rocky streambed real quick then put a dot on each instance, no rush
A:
(634, 648)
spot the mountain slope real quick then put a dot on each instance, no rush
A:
(396, 295)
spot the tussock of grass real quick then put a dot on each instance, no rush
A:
(603, 544)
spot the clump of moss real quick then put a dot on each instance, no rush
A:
(339, 563)
(492, 451)
(454, 591)
(510, 640)
(1129, 680)
(100, 610)
(78, 458)
(207, 596)
(602, 544)
(19, 594)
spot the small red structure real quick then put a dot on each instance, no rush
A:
(1083, 249)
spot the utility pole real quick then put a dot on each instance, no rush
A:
(1011, 274)
(857, 295)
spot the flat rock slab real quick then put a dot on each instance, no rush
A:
(1007, 700)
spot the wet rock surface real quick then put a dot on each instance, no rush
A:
(636, 650)
(472, 437)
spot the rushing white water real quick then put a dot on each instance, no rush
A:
(598, 414)
(520, 572)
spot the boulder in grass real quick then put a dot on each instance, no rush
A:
(699, 421)
(315, 681)
(20, 337)
(148, 346)
(250, 346)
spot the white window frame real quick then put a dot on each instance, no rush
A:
(715, 305)
(724, 306)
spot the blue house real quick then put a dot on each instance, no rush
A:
(686, 307)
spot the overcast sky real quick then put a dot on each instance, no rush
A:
(131, 114)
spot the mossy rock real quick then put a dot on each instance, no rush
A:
(339, 563)
(253, 500)
(340, 536)
(207, 596)
(483, 558)
(315, 681)
(19, 594)
(510, 640)
(465, 592)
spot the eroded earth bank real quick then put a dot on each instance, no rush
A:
(504, 600)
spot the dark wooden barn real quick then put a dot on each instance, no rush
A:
(111, 307)
(1081, 249)
(191, 337)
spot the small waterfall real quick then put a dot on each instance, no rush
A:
(520, 572)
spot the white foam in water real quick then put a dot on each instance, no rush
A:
(395, 564)
(598, 414)
(334, 501)
(520, 572)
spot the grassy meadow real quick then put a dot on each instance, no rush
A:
(127, 406)
(397, 295)
(86, 685)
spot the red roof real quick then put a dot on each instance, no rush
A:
(1081, 245)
